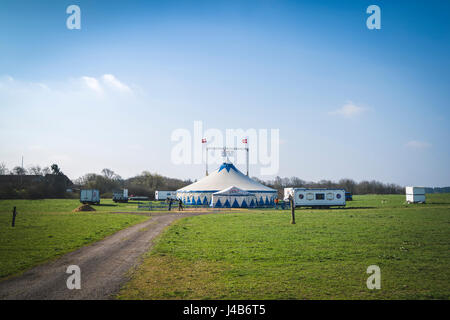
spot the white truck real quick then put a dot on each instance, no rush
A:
(163, 195)
(120, 195)
(322, 198)
(90, 196)
(415, 194)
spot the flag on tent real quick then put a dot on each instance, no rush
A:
(203, 140)
(244, 140)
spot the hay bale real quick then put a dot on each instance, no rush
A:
(84, 207)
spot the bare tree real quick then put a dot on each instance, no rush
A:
(108, 173)
(3, 169)
(36, 170)
(19, 171)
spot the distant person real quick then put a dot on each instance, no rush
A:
(180, 205)
(170, 204)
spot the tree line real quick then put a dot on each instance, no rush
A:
(50, 182)
(36, 182)
(33, 183)
(363, 187)
(144, 184)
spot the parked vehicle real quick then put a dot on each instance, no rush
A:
(348, 196)
(415, 194)
(120, 195)
(323, 198)
(163, 195)
(90, 196)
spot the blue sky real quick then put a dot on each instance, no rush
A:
(348, 101)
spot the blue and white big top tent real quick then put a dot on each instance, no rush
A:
(226, 177)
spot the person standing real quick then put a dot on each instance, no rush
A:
(180, 205)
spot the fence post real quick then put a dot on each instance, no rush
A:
(14, 217)
(291, 202)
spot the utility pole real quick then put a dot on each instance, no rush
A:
(245, 141)
(21, 178)
(206, 161)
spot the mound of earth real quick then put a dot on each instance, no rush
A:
(84, 207)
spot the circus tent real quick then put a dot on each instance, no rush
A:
(226, 176)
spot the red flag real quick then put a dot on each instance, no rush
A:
(244, 140)
(204, 140)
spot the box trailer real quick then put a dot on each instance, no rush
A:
(163, 195)
(90, 196)
(415, 194)
(322, 198)
(120, 195)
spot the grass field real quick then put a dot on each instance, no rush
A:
(258, 254)
(46, 229)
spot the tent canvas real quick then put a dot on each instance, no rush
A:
(232, 197)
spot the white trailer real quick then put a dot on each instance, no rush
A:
(120, 196)
(90, 196)
(304, 197)
(163, 195)
(415, 194)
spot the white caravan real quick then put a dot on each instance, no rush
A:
(304, 197)
(415, 194)
(163, 195)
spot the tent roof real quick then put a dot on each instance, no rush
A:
(227, 175)
(232, 191)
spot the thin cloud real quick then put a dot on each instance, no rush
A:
(348, 110)
(92, 83)
(104, 83)
(415, 144)
(113, 82)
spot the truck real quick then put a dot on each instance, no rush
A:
(415, 194)
(90, 196)
(315, 198)
(120, 195)
(163, 195)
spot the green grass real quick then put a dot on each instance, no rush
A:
(46, 229)
(62, 205)
(258, 254)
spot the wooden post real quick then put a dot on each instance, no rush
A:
(291, 202)
(14, 217)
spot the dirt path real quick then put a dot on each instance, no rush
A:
(103, 265)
